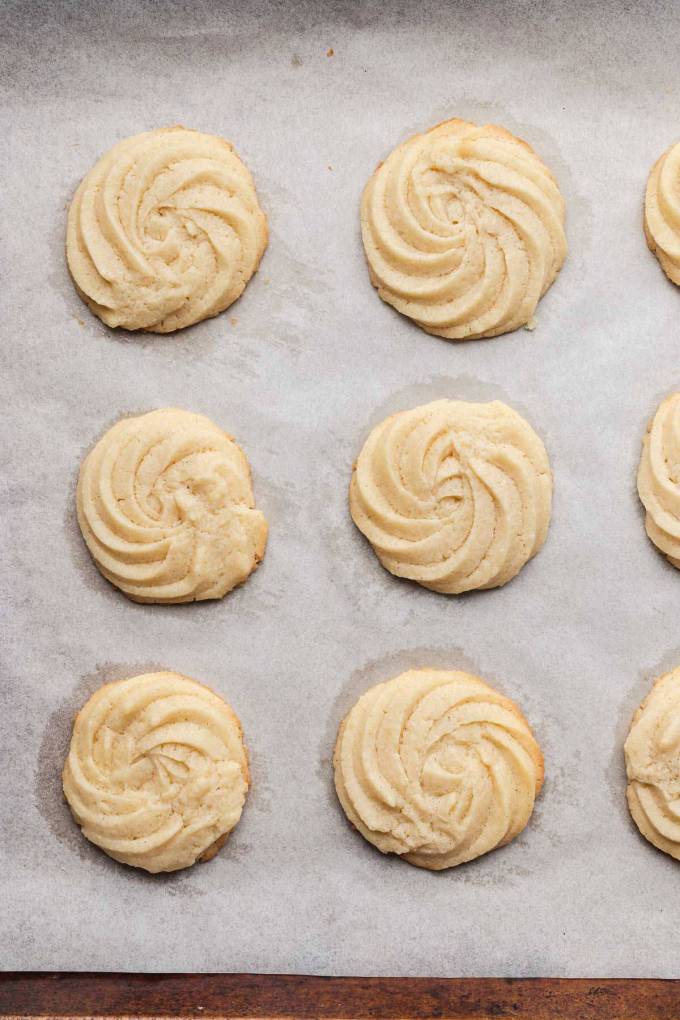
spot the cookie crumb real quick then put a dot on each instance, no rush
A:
(234, 320)
(531, 324)
(330, 52)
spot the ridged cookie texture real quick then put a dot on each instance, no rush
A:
(652, 753)
(157, 771)
(453, 495)
(438, 767)
(662, 212)
(658, 478)
(463, 228)
(166, 507)
(164, 231)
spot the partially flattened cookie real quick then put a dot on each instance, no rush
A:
(157, 771)
(463, 228)
(166, 507)
(658, 479)
(165, 230)
(436, 766)
(453, 495)
(652, 752)
(662, 212)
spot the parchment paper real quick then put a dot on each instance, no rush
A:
(299, 370)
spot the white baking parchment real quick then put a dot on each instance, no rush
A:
(313, 96)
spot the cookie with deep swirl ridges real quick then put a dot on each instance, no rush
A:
(662, 212)
(157, 771)
(164, 231)
(652, 753)
(166, 507)
(453, 495)
(436, 766)
(658, 478)
(463, 229)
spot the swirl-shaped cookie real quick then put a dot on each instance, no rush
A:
(652, 752)
(453, 495)
(463, 228)
(662, 212)
(165, 505)
(438, 767)
(157, 772)
(164, 231)
(658, 478)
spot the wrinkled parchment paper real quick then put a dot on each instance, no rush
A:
(299, 370)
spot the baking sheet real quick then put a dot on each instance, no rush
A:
(299, 370)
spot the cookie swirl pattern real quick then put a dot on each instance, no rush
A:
(652, 753)
(438, 767)
(463, 228)
(453, 495)
(658, 478)
(164, 231)
(662, 212)
(157, 772)
(165, 505)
